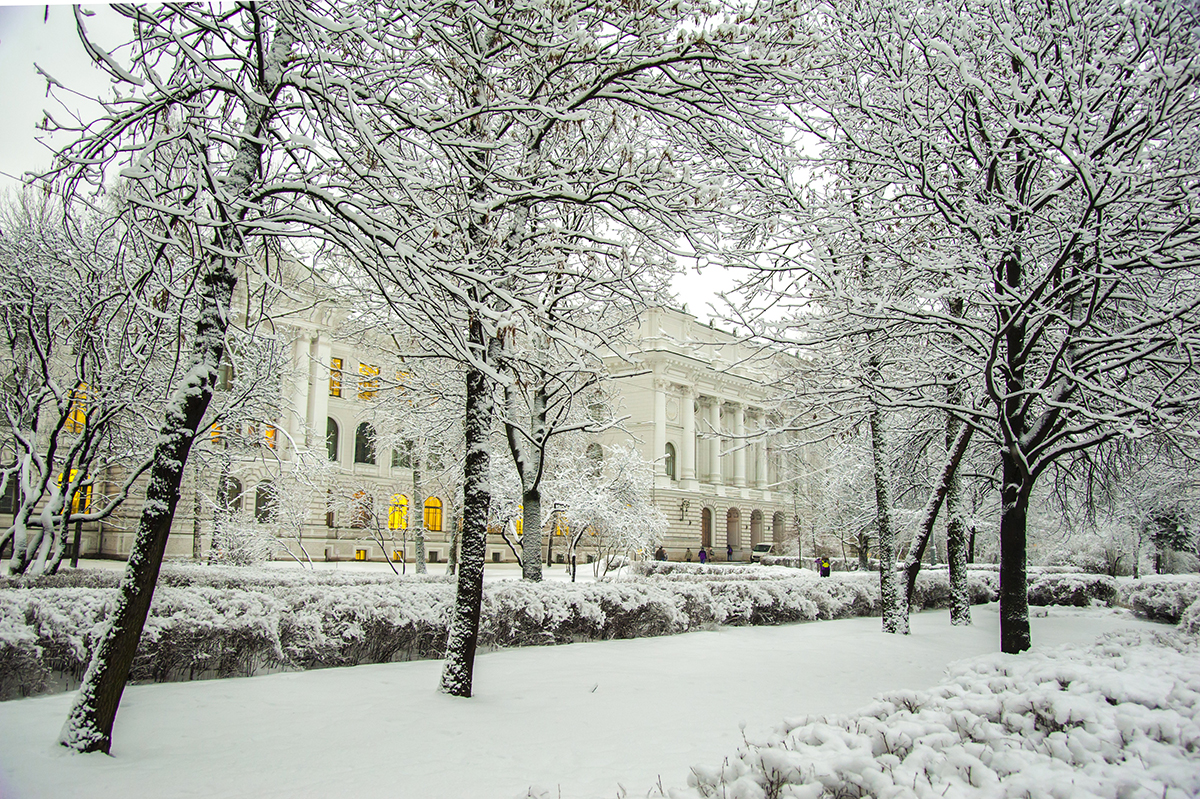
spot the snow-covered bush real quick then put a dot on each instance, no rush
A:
(1162, 597)
(1119, 718)
(1189, 622)
(217, 622)
(22, 671)
(1071, 589)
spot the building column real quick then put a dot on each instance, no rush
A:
(297, 413)
(762, 479)
(320, 350)
(688, 444)
(714, 445)
(660, 428)
(739, 452)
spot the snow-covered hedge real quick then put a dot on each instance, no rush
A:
(184, 574)
(1189, 622)
(1120, 718)
(1071, 588)
(1163, 597)
(200, 630)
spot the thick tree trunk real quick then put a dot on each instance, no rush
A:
(464, 627)
(895, 619)
(956, 555)
(1014, 589)
(531, 534)
(90, 722)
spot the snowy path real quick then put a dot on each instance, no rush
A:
(576, 720)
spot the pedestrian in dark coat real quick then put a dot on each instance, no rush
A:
(703, 557)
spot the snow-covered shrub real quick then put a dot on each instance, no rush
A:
(22, 671)
(790, 561)
(658, 568)
(67, 578)
(243, 620)
(1162, 597)
(363, 624)
(191, 632)
(1075, 589)
(1189, 622)
(1119, 718)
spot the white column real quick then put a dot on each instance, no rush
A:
(714, 444)
(739, 452)
(688, 444)
(761, 478)
(320, 350)
(297, 414)
(660, 428)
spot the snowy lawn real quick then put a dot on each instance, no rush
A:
(584, 720)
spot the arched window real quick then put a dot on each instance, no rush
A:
(332, 436)
(264, 502)
(706, 528)
(756, 527)
(229, 494)
(402, 455)
(777, 528)
(364, 443)
(669, 461)
(398, 512)
(360, 510)
(733, 529)
(433, 514)
(595, 456)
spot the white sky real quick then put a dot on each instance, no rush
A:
(30, 35)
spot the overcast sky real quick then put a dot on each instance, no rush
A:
(32, 35)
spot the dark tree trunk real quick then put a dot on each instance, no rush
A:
(464, 627)
(1014, 589)
(89, 725)
(531, 534)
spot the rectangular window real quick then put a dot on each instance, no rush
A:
(397, 555)
(269, 436)
(335, 377)
(368, 382)
(360, 554)
(77, 415)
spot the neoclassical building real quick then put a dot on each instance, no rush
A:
(702, 407)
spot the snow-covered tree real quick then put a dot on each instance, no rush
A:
(86, 366)
(1038, 162)
(188, 138)
(606, 507)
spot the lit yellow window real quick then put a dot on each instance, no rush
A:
(433, 514)
(360, 554)
(269, 436)
(335, 377)
(214, 432)
(398, 513)
(77, 415)
(368, 382)
(81, 500)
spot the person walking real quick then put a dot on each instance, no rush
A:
(729, 553)
(687, 556)
(703, 556)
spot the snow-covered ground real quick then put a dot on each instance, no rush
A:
(599, 719)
